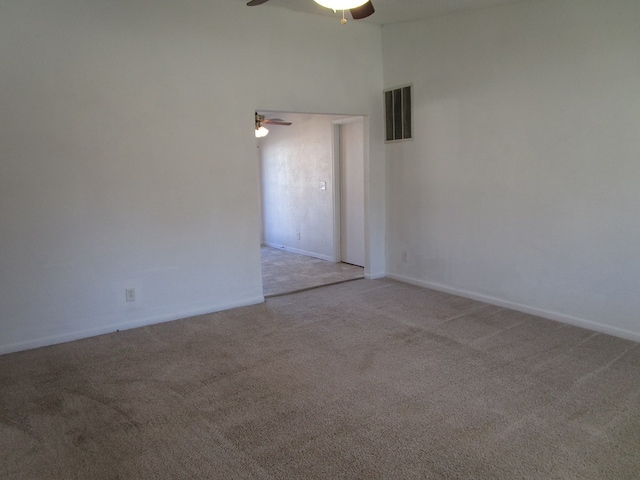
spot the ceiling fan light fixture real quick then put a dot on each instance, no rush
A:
(341, 4)
(261, 132)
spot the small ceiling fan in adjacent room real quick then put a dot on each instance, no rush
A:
(358, 8)
(261, 121)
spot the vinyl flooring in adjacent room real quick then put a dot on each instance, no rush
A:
(286, 272)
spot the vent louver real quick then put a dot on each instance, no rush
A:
(397, 106)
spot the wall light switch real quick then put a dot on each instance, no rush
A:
(130, 294)
(323, 185)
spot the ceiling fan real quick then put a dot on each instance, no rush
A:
(261, 120)
(358, 8)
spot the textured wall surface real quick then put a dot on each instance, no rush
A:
(294, 160)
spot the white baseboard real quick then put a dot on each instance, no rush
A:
(558, 317)
(301, 252)
(143, 322)
(374, 276)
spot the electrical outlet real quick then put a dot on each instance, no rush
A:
(298, 235)
(130, 294)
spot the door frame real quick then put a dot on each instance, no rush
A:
(337, 184)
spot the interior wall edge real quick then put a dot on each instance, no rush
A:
(549, 315)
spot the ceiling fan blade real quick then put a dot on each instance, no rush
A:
(253, 3)
(362, 11)
(276, 121)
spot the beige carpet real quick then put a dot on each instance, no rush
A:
(366, 379)
(287, 272)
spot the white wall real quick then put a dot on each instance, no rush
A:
(128, 156)
(294, 160)
(522, 184)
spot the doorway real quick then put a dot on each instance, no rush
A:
(311, 191)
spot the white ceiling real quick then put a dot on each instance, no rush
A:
(393, 11)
